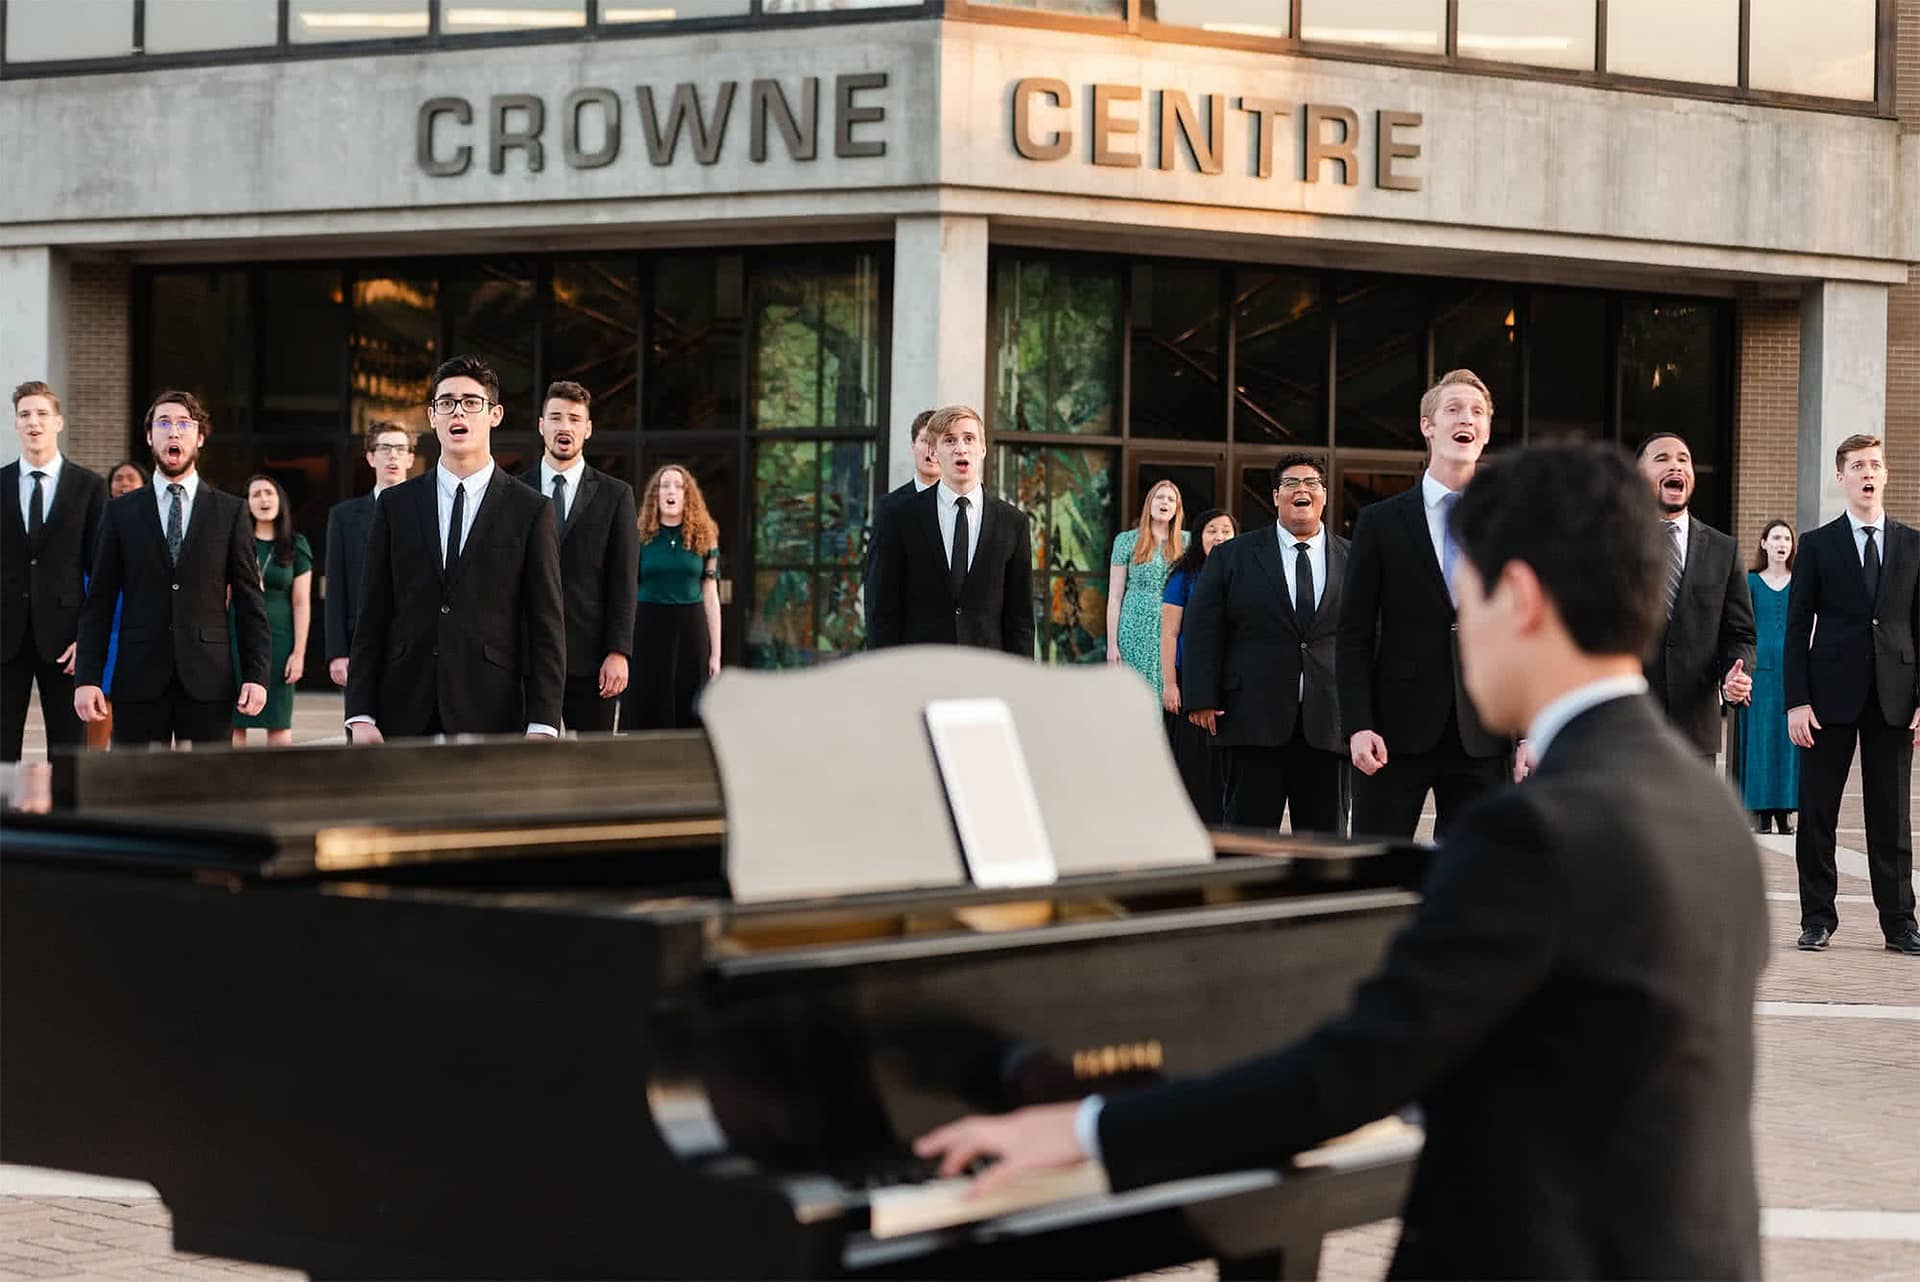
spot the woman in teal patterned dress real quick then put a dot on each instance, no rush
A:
(286, 576)
(1140, 562)
(1770, 764)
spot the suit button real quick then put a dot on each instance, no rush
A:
(446, 609)
(436, 652)
(1876, 623)
(35, 561)
(176, 587)
(956, 611)
(1453, 627)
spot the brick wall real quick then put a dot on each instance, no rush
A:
(1766, 414)
(99, 370)
(1903, 303)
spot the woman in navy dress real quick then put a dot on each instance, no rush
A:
(1770, 764)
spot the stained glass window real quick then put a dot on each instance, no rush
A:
(1056, 347)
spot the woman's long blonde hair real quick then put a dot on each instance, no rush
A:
(698, 532)
(1143, 545)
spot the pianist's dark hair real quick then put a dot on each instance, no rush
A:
(1552, 507)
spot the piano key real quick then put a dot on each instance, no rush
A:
(915, 1208)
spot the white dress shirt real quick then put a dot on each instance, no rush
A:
(445, 483)
(1432, 492)
(1553, 718)
(948, 513)
(573, 474)
(1684, 523)
(920, 486)
(52, 482)
(164, 500)
(1316, 560)
(1879, 527)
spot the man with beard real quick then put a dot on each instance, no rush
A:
(46, 551)
(599, 559)
(1572, 1001)
(390, 455)
(1258, 667)
(1853, 614)
(461, 626)
(953, 565)
(1703, 655)
(174, 554)
(1409, 724)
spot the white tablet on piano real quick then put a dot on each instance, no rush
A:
(990, 793)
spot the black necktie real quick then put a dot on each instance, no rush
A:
(175, 522)
(1870, 564)
(1302, 587)
(957, 565)
(453, 527)
(36, 510)
(560, 499)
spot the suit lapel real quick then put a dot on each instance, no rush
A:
(1268, 556)
(426, 515)
(1416, 520)
(484, 520)
(1328, 613)
(589, 483)
(1696, 555)
(198, 517)
(10, 493)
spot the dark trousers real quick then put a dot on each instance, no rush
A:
(582, 708)
(669, 667)
(1886, 784)
(1387, 803)
(1202, 767)
(1265, 783)
(17, 678)
(174, 717)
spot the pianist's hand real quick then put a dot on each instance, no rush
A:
(1029, 1139)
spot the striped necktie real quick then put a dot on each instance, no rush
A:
(1674, 565)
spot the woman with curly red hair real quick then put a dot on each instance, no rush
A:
(676, 629)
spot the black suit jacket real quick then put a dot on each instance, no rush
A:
(43, 587)
(1572, 1005)
(486, 648)
(1243, 649)
(1712, 626)
(599, 568)
(1829, 666)
(174, 619)
(348, 525)
(881, 504)
(1399, 646)
(911, 601)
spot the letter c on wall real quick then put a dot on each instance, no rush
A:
(1024, 142)
(462, 112)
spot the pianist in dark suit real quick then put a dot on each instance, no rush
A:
(461, 627)
(1702, 656)
(1572, 1003)
(390, 455)
(1258, 637)
(953, 565)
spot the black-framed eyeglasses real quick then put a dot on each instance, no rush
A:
(446, 405)
(1313, 483)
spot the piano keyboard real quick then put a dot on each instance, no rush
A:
(896, 1210)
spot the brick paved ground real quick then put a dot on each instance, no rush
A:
(1834, 1102)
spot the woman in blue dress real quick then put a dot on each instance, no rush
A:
(1200, 766)
(1770, 773)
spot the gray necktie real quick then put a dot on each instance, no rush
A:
(176, 524)
(1674, 565)
(36, 510)
(1449, 548)
(560, 499)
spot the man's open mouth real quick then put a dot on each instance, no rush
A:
(1463, 437)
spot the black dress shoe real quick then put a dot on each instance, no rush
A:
(1759, 819)
(1814, 938)
(1908, 943)
(1785, 824)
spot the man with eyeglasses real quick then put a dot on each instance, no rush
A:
(390, 456)
(174, 555)
(1258, 637)
(46, 551)
(460, 628)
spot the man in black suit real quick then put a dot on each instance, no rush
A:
(953, 565)
(174, 555)
(390, 455)
(1258, 637)
(1703, 655)
(1408, 721)
(1572, 1003)
(461, 626)
(1853, 615)
(926, 475)
(46, 552)
(599, 558)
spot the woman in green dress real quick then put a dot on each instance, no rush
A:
(676, 625)
(1769, 763)
(1137, 578)
(286, 576)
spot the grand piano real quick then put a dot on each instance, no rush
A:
(496, 1009)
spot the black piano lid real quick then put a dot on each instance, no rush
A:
(330, 810)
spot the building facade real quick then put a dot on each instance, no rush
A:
(1148, 238)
